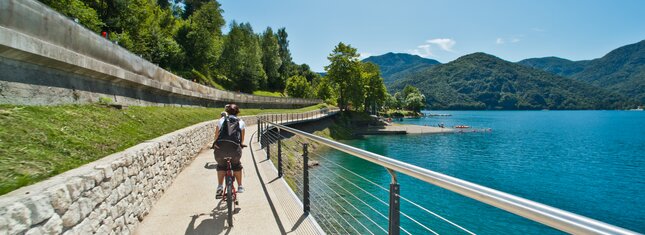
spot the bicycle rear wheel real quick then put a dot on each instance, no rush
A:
(229, 200)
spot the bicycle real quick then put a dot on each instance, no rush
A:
(229, 194)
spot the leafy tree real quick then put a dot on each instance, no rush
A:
(324, 89)
(287, 65)
(409, 90)
(344, 72)
(241, 59)
(271, 60)
(375, 92)
(191, 6)
(391, 102)
(78, 9)
(298, 86)
(305, 71)
(201, 37)
(415, 102)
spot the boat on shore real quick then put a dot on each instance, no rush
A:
(462, 126)
(639, 108)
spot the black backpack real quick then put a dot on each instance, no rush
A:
(230, 130)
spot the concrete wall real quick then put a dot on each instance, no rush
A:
(60, 54)
(108, 196)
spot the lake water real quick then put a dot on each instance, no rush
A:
(587, 162)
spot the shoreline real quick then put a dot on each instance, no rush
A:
(408, 129)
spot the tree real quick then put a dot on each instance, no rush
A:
(241, 59)
(201, 37)
(305, 71)
(375, 92)
(287, 65)
(298, 86)
(391, 102)
(324, 89)
(271, 60)
(77, 9)
(344, 72)
(191, 6)
(409, 90)
(415, 102)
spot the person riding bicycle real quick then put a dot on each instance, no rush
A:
(229, 136)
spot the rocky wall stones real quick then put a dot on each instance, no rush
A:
(111, 195)
(108, 196)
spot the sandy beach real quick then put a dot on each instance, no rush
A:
(415, 129)
(401, 129)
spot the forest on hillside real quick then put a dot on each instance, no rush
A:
(185, 37)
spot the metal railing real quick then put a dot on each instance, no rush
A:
(270, 128)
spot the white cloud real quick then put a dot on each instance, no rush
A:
(363, 55)
(422, 50)
(500, 41)
(538, 29)
(445, 44)
(426, 49)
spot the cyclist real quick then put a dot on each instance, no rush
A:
(229, 136)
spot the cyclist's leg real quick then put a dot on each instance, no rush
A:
(221, 168)
(238, 177)
(237, 168)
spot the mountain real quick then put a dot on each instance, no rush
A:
(391, 64)
(482, 81)
(556, 65)
(621, 70)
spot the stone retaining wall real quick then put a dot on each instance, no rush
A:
(108, 196)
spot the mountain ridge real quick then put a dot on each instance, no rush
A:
(483, 81)
(392, 64)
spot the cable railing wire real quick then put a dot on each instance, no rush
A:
(358, 210)
(378, 199)
(273, 136)
(404, 198)
(298, 183)
(331, 208)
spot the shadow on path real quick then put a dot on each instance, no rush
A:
(214, 223)
(264, 187)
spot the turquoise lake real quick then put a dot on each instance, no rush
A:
(587, 162)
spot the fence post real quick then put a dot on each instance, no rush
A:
(395, 201)
(268, 150)
(279, 155)
(305, 178)
(259, 128)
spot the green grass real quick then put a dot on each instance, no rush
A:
(269, 93)
(399, 113)
(37, 142)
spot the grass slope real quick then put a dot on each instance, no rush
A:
(37, 142)
(269, 93)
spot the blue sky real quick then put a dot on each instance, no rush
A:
(445, 30)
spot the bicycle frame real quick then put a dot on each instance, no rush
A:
(229, 179)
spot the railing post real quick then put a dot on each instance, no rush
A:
(305, 179)
(395, 201)
(279, 155)
(259, 129)
(268, 150)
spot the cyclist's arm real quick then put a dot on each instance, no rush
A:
(242, 137)
(216, 135)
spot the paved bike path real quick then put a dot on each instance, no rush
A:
(189, 205)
